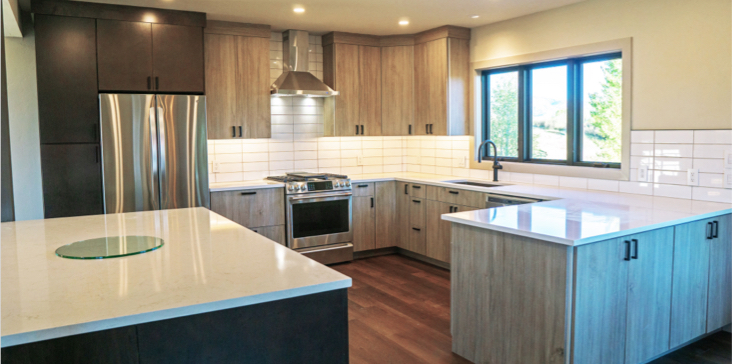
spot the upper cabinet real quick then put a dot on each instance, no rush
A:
(397, 85)
(145, 57)
(237, 80)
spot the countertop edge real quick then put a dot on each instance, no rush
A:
(117, 322)
(589, 240)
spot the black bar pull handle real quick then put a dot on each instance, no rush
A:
(149, 84)
(410, 129)
(415, 229)
(416, 201)
(709, 230)
(255, 230)
(426, 128)
(715, 234)
(451, 207)
(406, 189)
(627, 250)
(362, 186)
(356, 129)
(635, 244)
(157, 83)
(455, 192)
(431, 128)
(240, 132)
(417, 187)
(233, 132)
(362, 130)
(456, 209)
(372, 202)
(248, 193)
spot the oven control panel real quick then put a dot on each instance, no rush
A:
(318, 186)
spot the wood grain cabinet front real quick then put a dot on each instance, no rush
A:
(251, 208)
(275, 233)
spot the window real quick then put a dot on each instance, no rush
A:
(560, 112)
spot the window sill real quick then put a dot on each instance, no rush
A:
(620, 174)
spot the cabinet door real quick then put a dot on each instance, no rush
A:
(649, 294)
(601, 287)
(363, 223)
(720, 276)
(221, 86)
(68, 101)
(370, 93)
(416, 240)
(340, 71)
(251, 208)
(416, 212)
(125, 56)
(275, 233)
(437, 240)
(430, 85)
(690, 282)
(397, 93)
(252, 84)
(386, 215)
(177, 52)
(72, 180)
(402, 207)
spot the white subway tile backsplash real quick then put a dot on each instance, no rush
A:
(571, 182)
(285, 165)
(709, 165)
(641, 150)
(256, 166)
(641, 136)
(712, 136)
(670, 177)
(711, 151)
(638, 188)
(603, 185)
(329, 154)
(281, 156)
(674, 150)
(521, 177)
(674, 136)
(711, 180)
(712, 194)
(541, 179)
(672, 164)
(674, 191)
(636, 162)
(281, 147)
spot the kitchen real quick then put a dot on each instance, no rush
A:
(367, 154)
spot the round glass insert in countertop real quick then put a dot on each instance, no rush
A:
(109, 247)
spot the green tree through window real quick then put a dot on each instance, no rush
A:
(504, 113)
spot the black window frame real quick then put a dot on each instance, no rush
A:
(574, 110)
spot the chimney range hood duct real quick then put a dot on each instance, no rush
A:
(296, 80)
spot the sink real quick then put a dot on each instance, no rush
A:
(478, 184)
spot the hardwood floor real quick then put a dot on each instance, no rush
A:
(399, 312)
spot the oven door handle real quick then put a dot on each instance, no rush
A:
(343, 194)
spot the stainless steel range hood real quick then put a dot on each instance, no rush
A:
(297, 79)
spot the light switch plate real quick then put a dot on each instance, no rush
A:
(728, 178)
(643, 174)
(359, 160)
(728, 159)
(692, 177)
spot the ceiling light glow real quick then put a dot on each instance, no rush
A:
(404, 22)
(299, 10)
(475, 16)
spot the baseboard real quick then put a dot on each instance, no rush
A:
(683, 345)
(395, 250)
(727, 328)
(424, 258)
(375, 252)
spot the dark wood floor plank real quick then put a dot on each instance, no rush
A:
(399, 312)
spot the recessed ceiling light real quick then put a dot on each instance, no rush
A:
(475, 16)
(299, 10)
(404, 22)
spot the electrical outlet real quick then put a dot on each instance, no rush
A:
(216, 166)
(692, 177)
(728, 159)
(464, 162)
(359, 160)
(727, 178)
(643, 174)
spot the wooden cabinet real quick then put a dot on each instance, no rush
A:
(369, 67)
(402, 207)
(690, 281)
(386, 226)
(623, 298)
(437, 240)
(275, 233)
(397, 92)
(441, 80)
(363, 223)
(147, 57)
(72, 180)
(719, 307)
(237, 85)
(363, 189)
(416, 241)
(251, 208)
(66, 67)
(341, 72)
(416, 212)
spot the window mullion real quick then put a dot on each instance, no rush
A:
(571, 117)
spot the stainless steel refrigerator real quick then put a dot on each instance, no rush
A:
(154, 153)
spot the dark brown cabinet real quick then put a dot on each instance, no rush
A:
(72, 180)
(66, 67)
(143, 57)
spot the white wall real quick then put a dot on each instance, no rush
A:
(24, 133)
(682, 53)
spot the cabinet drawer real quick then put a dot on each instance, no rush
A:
(416, 212)
(363, 189)
(251, 208)
(416, 190)
(275, 233)
(461, 197)
(416, 240)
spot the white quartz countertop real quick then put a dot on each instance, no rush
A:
(208, 263)
(571, 217)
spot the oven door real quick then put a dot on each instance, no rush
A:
(321, 219)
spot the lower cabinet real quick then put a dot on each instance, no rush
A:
(386, 215)
(402, 215)
(363, 223)
(251, 208)
(274, 233)
(437, 243)
(622, 305)
(72, 180)
(719, 307)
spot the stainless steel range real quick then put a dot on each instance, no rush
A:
(319, 215)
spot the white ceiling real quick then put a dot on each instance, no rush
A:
(377, 17)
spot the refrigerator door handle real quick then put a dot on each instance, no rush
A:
(154, 161)
(162, 145)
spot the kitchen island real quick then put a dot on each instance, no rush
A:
(215, 292)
